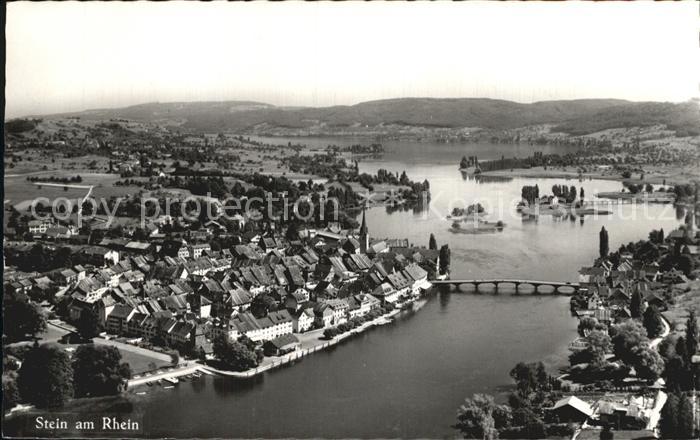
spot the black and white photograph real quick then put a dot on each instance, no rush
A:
(351, 220)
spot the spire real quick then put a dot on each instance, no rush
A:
(363, 227)
(364, 236)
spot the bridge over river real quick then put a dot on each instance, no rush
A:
(552, 287)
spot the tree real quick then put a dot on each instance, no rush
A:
(586, 325)
(648, 363)
(235, 355)
(677, 374)
(685, 427)
(606, 433)
(531, 383)
(444, 259)
(653, 322)
(669, 417)
(45, 378)
(603, 245)
(628, 337)
(636, 305)
(475, 418)
(599, 344)
(432, 243)
(98, 371)
(502, 416)
(10, 391)
(22, 318)
(88, 325)
(691, 334)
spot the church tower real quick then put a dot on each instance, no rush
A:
(364, 236)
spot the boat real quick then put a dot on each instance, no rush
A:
(172, 380)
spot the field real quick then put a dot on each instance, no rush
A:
(20, 193)
(140, 363)
(686, 297)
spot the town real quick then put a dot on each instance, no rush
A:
(169, 286)
(634, 369)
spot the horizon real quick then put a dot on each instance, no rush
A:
(292, 106)
(72, 57)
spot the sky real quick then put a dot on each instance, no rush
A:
(72, 56)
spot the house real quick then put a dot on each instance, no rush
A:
(323, 315)
(273, 325)
(66, 277)
(604, 316)
(655, 299)
(138, 247)
(134, 325)
(117, 320)
(181, 333)
(59, 233)
(378, 247)
(297, 299)
(419, 276)
(632, 413)
(619, 297)
(571, 410)
(201, 305)
(303, 320)
(399, 283)
(340, 309)
(149, 327)
(351, 246)
(224, 328)
(361, 305)
(37, 227)
(281, 345)
(100, 256)
(175, 249)
(386, 293)
(198, 249)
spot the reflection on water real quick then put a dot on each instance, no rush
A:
(407, 379)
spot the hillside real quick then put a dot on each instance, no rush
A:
(573, 117)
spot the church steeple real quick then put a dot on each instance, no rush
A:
(364, 235)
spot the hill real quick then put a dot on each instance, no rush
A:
(573, 116)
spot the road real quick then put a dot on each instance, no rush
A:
(656, 341)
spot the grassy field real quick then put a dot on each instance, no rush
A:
(20, 193)
(140, 364)
(686, 297)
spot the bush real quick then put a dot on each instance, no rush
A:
(561, 429)
(330, 333)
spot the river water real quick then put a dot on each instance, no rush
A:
(407, 379)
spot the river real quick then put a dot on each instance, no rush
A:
(407, 379)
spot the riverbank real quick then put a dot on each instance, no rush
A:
(656, 175)
(311, 342)
(170, 373)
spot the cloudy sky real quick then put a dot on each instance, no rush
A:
(75, 56)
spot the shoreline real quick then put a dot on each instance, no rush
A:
(278, 361)
(674, 175)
